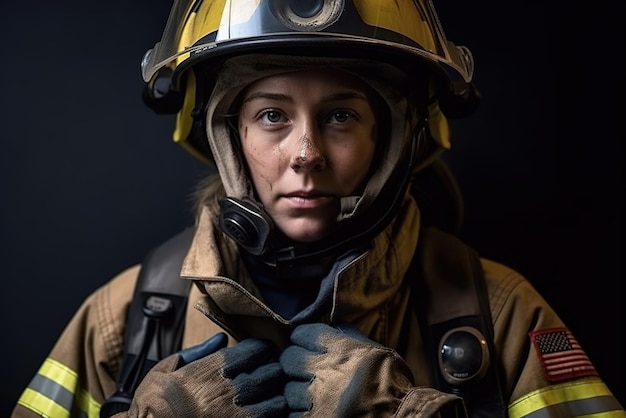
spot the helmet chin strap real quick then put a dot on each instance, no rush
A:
(245, 221)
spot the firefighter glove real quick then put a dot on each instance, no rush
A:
(337, 371)
(212, 380)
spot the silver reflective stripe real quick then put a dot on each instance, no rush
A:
(52, 390)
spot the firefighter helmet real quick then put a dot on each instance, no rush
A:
(406, 33)
(211, 49)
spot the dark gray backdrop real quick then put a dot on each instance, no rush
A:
(91, 180)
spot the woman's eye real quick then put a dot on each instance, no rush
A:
(341, 116)
(271, 116)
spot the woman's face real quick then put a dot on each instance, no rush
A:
(308, 138)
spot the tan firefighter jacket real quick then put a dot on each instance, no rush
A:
(546, 373)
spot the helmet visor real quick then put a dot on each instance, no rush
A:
(207, 27)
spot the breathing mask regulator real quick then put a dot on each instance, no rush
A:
(197, 70)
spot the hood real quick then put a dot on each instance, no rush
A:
(239, 72)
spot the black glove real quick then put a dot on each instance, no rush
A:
(239, 381)
(338, 372)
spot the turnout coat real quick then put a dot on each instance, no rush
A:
(544, 370)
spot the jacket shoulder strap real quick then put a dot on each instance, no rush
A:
(453, 307)
(155, 318)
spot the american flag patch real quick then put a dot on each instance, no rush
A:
(561, 355)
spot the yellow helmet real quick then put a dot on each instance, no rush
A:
(405, 33)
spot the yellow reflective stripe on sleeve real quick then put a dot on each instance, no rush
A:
(42, 405)
(60, 374)
(580, 398)
(88, 405)
(55, 392)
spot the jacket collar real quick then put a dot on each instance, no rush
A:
(363, 285)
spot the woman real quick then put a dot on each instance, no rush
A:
(308, 243)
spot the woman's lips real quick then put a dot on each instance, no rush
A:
(308, 200)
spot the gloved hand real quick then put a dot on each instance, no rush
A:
(212, 380)
(338, 372)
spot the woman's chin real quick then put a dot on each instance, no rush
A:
(305, 231)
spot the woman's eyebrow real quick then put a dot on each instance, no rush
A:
(284, 97)
(346, 96)
(267, 95)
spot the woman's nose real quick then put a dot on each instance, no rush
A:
(307, 155)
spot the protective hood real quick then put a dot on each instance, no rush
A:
(236, 73)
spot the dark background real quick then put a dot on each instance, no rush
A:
(91, 180)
